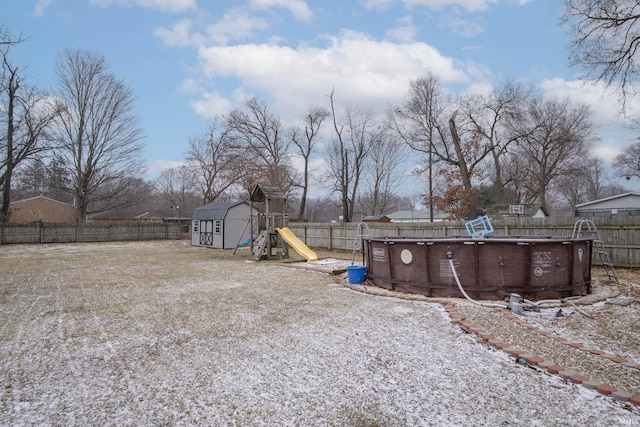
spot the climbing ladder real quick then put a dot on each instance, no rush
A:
(258, 246)
(586, 228)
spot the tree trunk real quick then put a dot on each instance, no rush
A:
(6, 191)
(465, 175)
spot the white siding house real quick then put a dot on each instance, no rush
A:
(221, 225)
(526, 210)
(417, 216)
(622, 204)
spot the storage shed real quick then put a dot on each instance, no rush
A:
(221, 225)
(622, 204)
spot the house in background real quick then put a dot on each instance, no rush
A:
(376, 218)
(221, 225)
(126, 215)
(526, 210)
(622, 204)
(41, 209)
(417, 216)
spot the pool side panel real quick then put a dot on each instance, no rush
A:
(491, 269)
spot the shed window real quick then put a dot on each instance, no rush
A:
(195, 226)
(218, 226)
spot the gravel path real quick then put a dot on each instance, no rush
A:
(164, 333)
(593, 366)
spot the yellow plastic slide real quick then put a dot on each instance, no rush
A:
(297, 244)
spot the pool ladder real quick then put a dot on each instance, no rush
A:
(586, 228)
(359, 236)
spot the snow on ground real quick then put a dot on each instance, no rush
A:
(164, 333)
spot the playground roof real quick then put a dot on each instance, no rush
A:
(261, 193)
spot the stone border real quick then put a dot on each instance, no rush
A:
(520, 356)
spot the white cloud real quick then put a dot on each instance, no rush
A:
(41, 5)
(298, 8)
(380, 5)
(156, 167)
(479, 88)
(606, 152)
(211, 105)
(190, 86)
(405, 31)
(234, 25)
(165, 5)
(470, 5)
(604, 103)
(616, 130)
(459, 25)
(362, 71)
(178, 34)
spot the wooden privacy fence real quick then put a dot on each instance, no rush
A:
(618, 234)
(90, 232)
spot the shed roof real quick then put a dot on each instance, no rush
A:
(214, 210)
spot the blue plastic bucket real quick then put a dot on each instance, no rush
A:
(356, 274)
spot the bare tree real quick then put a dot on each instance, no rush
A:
(383, 174)
(514, 173)
(589, 182)
(176, 188)
(627, 163)
(556, 136)
(605, 39)
(31, 178)
(42, 176)
(58, 180)
(98, 139)
(216, 163)
(305, 140)
(417, 123)
(460, 153)
(7, 38)
(355, 134)
(489, 115)
(27, 116)
(264, 147)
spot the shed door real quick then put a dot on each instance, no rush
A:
(206, 233)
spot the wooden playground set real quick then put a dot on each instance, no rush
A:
(270, 226)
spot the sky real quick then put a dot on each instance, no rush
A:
(189, 61)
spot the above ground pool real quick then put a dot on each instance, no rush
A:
(489, 268)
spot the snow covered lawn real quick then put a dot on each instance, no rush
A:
(164, 333)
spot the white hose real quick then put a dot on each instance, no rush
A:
(551, 301)
(563, 301)
(544, 302)
(495, 305)
(578, 310)
(455, 275)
